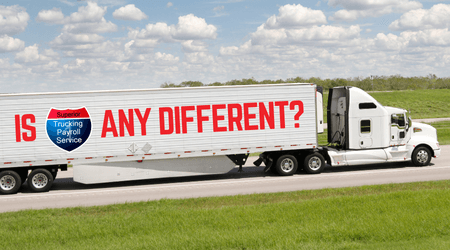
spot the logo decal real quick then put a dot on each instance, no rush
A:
(68, 128)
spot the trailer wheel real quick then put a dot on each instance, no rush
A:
(421, 156)
(40, 180)
(10, 182)
(314, 163)
(286, 165)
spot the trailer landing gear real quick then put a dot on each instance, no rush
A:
(239, 160)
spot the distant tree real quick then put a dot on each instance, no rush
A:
(374, 82)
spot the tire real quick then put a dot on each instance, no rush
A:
(286, 165)
(421, 156)
(40, 180)
(10, 182)
(314, 163)
(54, 174)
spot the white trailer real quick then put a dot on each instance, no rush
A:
(127, 135)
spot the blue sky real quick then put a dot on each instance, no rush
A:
(66, 45)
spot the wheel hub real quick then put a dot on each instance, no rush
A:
(7, 182)
(422, 156)
(287, 165)
(39, 180)
(314, 163)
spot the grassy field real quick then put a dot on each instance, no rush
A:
(443, 131)
(395, 216)
(428, 103)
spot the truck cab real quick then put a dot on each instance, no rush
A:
(362, 131)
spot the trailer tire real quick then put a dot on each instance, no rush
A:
(421, 156)
(10, 182)
(286, 165)
(314, 163)
(40, 180)
(54, 174)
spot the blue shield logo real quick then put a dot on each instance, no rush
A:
(69, 128)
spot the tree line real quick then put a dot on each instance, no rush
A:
(372, 83)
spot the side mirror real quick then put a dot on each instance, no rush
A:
(409, 124)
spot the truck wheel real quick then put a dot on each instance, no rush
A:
(10, 182)
(286, 165)
(314, 163)
(421, 156)
(40, 180)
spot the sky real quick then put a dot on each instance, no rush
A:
(76, 45)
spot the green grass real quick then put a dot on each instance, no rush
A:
(443, 131)
(395, 216)
(427, 103)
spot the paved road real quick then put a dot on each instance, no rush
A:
(66, 193)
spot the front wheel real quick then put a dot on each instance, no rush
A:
(10, 182)
(286, 165)
(40, 180)
(314, 163)
(421, 156)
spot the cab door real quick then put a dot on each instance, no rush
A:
(398, 130)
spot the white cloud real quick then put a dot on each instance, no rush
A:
(102, 26)
(129, 12)
(354, 9)
(194, 46)
(438, 16)
(430, 37)
(166, 59)
(8, 44)
(169, 4)
(54, 15)
(75, 39)
(295, 16)
(219, 8)
(296, 24)
(31, 55)
(13, 19)
(85, 14)
(189, 27)
(91, 13)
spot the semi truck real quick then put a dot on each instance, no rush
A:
(126, 135)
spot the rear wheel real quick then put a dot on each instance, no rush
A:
(10, 182)
(421, 156)
(314, 163)
(40, 180)
(286, 165)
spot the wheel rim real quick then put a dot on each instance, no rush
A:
(287, 165)
(39, 180)
(314, 163)
(422, 156)
(7, 182)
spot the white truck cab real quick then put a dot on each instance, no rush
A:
(362, 131)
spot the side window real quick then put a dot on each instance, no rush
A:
(367, 105)
(398, 119)
(365, 126)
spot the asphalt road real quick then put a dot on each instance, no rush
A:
(66, 193)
